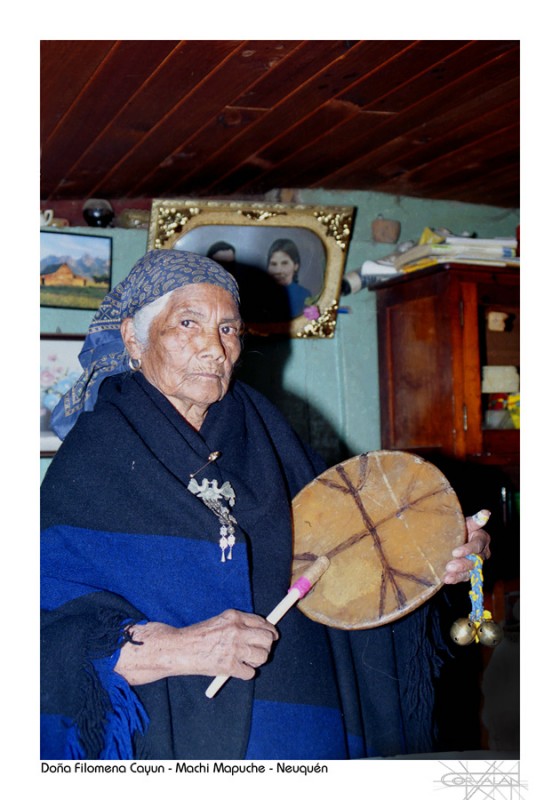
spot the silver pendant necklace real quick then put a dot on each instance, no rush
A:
(217, 498)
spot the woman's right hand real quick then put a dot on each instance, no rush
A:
(234, 643)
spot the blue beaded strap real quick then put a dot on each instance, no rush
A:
(476, 593)
(478, 614)
(479, 627)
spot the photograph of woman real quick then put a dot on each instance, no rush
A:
(283, 263)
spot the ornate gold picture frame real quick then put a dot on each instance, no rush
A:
(288, 259)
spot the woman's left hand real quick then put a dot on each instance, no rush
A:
(478, 541)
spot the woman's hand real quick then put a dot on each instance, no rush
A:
(233, 643)
(478, 541)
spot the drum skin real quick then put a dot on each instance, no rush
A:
(387, 521)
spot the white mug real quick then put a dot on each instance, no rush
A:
(46, 217)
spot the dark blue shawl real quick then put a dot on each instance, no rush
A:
(125, 541)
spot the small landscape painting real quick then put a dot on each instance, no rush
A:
(75, 269)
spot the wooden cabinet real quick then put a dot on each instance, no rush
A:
(434, 340)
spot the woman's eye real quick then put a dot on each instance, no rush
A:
(230, 330)
(186, 323)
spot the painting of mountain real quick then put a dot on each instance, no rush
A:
(74, 270)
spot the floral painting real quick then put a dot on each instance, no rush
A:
(59, 370)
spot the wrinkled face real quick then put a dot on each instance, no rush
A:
(282, 267)
(192, 348)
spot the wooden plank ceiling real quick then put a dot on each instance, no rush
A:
(142, 119)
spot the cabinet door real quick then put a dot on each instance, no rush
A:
(468, 370)
(415, 360)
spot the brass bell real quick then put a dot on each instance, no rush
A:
(490, 633)
(463, 631)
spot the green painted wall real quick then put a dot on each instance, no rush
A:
(328, 388)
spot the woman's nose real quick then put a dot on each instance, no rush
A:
(211, 345)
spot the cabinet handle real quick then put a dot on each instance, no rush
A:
(465, 417)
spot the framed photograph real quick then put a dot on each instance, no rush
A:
(59, 370)
(75, 269)
(288, 259)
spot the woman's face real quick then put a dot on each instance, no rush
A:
(282, 267)
(192, 348)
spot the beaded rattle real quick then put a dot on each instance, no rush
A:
(479, 625)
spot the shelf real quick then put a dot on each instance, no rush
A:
(503, 441)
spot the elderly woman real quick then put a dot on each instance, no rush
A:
(167, 538)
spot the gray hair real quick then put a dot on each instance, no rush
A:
(143, 318)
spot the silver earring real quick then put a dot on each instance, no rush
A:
(134, 364)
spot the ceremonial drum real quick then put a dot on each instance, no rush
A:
(372, 537)
(387, 521)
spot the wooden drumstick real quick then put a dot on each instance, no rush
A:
(297, 590)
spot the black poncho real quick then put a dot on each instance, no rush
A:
(124, 540)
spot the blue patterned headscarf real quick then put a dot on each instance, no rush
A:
(103, 354)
